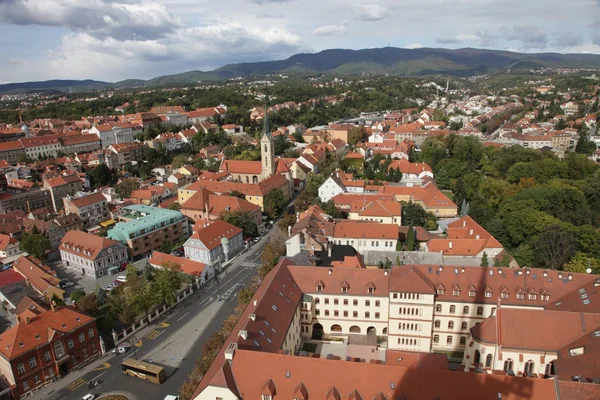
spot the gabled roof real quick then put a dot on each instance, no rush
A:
(377, 208)
(189, 267)
(212, 233)
(86, 245)
(410, 280)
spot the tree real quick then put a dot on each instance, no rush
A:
(57, 301)
(433, 151)
(179, 161)
(36, 245)
(554, 246)
(101, 176)
(167, 283)
(77, 294)
(175, 206)
(581, 262)
(271, 254)
(484, 260)
(88, 303)
(411, 239)
(242, 219)
(166, 247)
(101, 295)
(357, 134)
(126, 186)
(274, 203)
(413, 214)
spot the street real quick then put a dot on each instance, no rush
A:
(173, 342)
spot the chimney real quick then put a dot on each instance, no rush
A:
(464, 224)
(385, 273)
(253, 317)
(27, 320)
(18, 319)
(329, 251)
(330, 271)
(230, 351)
(255, 302)
(53, 306)
(450, 244)
(289, 230)
(243, 334)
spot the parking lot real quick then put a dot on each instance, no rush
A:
(87, 284)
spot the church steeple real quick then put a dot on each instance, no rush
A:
(267, 147)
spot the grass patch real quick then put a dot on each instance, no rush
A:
(448, 193)
(309, 347)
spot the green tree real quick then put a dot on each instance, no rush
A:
(411, 239)
(242, 219)
(167, 283)
(36, 245)
(101, 176)
(356, 135)
(237, 194)
(433, 151)
(77, 294)
(126, 186)
(175, 206)
(413, 214)
(101, 295)
(581, 262)
(554, 246)
(179, 161)
(484, 260)
(274, 203)
(88, 303)
(57, 301)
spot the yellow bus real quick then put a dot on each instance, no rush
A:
(143, 370)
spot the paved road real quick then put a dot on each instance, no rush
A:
(201, 314)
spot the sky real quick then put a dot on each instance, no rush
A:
(112, 40)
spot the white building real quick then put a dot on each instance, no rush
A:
(214, 244)
(331, 188)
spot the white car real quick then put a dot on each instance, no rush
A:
(122, 278)
(109, 288)
(121, 349)
(171, 397)
(89, 397)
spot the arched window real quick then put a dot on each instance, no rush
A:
(488, 361)
(549, 371)
(508, 365)
(465, 309)
(463, 340)
(449, 339)
(450, 324)
(479, 310)
(438, 308)
(477, 357)
(265, 148)
(336, 328)
(437, 323)
(528, 369)
(354, 329)
(59, 349)
(452, 309)
(436, 338)
(463, 326)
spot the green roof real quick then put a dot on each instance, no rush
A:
(147, 219)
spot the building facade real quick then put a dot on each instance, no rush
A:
(91, 255)
(91, 208)
(214, 244)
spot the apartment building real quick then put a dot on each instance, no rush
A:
(45, 346)
(25, 201)
(127, 152)
(144, 228)
(385, 212)
(39, 277)
(91, 208)
(113, 134)
(61, 185)
(91, 255)
(9, 246)
(11, 151)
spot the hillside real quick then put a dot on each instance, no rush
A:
(387, 60)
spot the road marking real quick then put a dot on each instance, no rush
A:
(138, 343)
(163, 325)
(183, 316)
(151, 334)
(161, 332)
(104, 366)
(93, 379)
(76, 384)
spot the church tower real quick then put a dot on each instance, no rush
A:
(267, 148)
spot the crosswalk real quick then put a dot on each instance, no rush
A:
(153, 334)
(76, 384)
(250, 265)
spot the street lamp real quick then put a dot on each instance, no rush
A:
(132, 340)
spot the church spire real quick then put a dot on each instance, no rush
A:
(266, 128)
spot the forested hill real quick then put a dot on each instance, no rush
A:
(545, 211)
(387, 60)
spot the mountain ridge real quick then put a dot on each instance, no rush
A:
(387, 60)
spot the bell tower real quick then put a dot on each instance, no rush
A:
(267, 148)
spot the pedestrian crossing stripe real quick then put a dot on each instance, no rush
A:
(153, 334)
(76, 384)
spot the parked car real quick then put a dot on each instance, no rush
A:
(113, 284)
(121, 349)
(171, 397)
(65, 283)
(122, 278)
(109, 288)
(89, 397)
(256, 239)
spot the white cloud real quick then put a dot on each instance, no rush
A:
(330, 30)
(373, 12)
(530, 36)
(413, 46)
(124, 20)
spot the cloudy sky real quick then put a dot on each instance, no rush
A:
(119, 39)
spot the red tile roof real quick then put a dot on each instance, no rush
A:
(377, 208)
(23, 337)
(85, 244)
(242, 167)
(189, 267)
(212, 234)
(9, 277)
(88, 200)
(368, 230)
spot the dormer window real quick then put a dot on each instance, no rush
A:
(532, 296)
(319, 288)
(345, 287)
(520, 296)
(504, 295)
(370, 290)
(456, 293)
(440, 291)
(344, 290)
(488, 294)
(472, 293)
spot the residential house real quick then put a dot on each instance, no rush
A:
(205, 205)
(9, 246)
(214, 244)
(127, 152)
(385, 212)
(39, 277)
(91, 255)
(91, 208)
(49, 229)
(411, 170)
(25, 201)
(71, 222)
(42, 146)
(12, 151)
(147, 196)
(233, 129)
